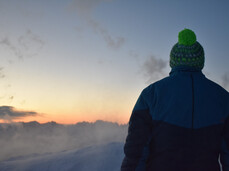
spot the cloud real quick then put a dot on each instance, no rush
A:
(84, 9)
(153, 69)
(7, 43)
(111, 41)
(31, 43)
(225, 80)
(26, 45)
(2, 75)
(9, 113)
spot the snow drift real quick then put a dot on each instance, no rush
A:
(106, 157)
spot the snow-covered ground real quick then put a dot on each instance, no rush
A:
(23, 139)
(107, 157)
(51, 146)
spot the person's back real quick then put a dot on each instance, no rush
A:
(180, 122)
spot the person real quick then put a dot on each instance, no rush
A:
(180, 123)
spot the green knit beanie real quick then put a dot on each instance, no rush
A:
(187, 52)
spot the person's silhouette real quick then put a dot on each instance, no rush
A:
(180, 123)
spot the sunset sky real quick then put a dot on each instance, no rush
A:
(83, 60)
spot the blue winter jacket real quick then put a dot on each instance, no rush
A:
(180, 123)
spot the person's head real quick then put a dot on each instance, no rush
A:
(187, 52)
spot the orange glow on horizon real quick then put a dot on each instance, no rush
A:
(61, 119)
(74, 106)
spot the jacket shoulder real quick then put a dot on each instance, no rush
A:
(160, 82)
(217, 86)
(149, 93)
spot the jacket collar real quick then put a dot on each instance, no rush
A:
(184, 69)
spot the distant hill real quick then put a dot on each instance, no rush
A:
(32, 138)
(106, 157)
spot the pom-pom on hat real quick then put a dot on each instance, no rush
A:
(187, 52)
